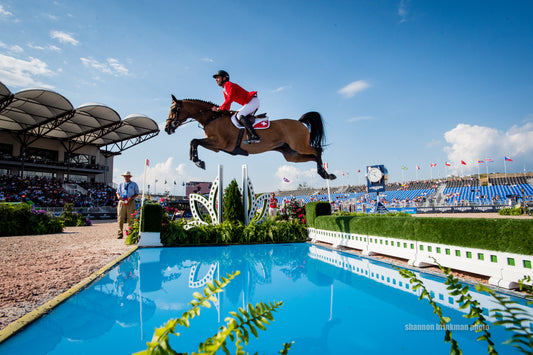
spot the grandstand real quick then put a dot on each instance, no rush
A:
(52, 153)
(497, 192)
(42, 134)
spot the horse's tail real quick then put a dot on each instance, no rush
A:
(313, 121)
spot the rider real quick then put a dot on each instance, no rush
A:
(248, 100)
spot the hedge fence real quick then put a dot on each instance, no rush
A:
(505, 235)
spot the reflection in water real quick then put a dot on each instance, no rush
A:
(386, 275)
(332, 302)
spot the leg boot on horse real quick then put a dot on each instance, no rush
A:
(246, 121)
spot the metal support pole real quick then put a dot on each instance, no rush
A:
(245, 192)
(220, 193)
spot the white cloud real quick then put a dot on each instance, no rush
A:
(164, 171)
(64, 37)
(21, 73)
(113, 66)
(470, 143)
(281, 88)
(353, 88)
(433, 143)
(403, 11)
(14, 49)
(208, 60)
(360, 118)
(296, 177)
(4, 12)
(49, 47)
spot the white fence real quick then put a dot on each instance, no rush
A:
(503, 269)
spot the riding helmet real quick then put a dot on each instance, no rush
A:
(221, 73)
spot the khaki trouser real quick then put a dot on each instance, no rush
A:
(125, 212)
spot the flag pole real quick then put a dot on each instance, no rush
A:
(147, 162)
(327, 181)
(505, 167)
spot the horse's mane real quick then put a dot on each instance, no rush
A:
(201, 102)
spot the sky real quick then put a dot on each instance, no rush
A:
(402, 83)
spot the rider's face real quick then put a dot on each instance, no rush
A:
(219, 80)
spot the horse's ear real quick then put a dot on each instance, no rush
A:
(174, 98)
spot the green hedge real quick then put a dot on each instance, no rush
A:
(152, 214)
(315, 209)
(22, 219)
(174, 234)
(506, 235)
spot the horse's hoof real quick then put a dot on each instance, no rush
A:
(200, 164)
(332, 176)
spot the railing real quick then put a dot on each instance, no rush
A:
(503, 269)
(103, 212)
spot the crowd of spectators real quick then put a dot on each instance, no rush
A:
(46, 192)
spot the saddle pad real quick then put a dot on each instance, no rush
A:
(259, 123)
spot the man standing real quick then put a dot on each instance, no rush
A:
(126, 193)
(273, 211)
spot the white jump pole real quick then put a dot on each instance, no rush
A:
(220, 193)
(245, 192)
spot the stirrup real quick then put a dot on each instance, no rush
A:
(252, 140)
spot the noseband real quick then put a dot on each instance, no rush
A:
(176, 112)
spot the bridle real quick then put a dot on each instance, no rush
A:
(176, 108)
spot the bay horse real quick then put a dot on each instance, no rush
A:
(298, 140)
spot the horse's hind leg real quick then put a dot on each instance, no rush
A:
(295, 157)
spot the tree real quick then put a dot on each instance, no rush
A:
(233, 207)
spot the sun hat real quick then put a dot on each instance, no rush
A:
(127, 173)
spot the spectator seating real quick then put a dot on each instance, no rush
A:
(45, 192)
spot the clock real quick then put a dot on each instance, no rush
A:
(374, 174)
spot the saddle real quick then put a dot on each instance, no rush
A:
(260, 121)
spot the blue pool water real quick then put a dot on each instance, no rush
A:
(333, 303)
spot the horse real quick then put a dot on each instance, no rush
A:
(298, 140)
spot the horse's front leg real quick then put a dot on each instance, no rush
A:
(208, 143)
(193, 154)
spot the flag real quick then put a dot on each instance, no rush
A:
(479, 161)
(417, 167)
(165, 181)
(447, 164)
(488, 160)
(433, 165)
(156, 180)
(359, 170)
(508, 159)
(147, 162)
(404, 168)
(463, 162)
(174, 182)
(286, 180)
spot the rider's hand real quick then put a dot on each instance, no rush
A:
(215, 108)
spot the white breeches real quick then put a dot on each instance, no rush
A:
(250, 107)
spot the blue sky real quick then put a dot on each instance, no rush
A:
(398, 83)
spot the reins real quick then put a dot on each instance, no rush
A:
(193, 117)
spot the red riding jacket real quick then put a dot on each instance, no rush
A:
(235, 93)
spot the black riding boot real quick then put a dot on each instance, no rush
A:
(252, 135)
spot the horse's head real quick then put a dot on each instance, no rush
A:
(173, 120)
